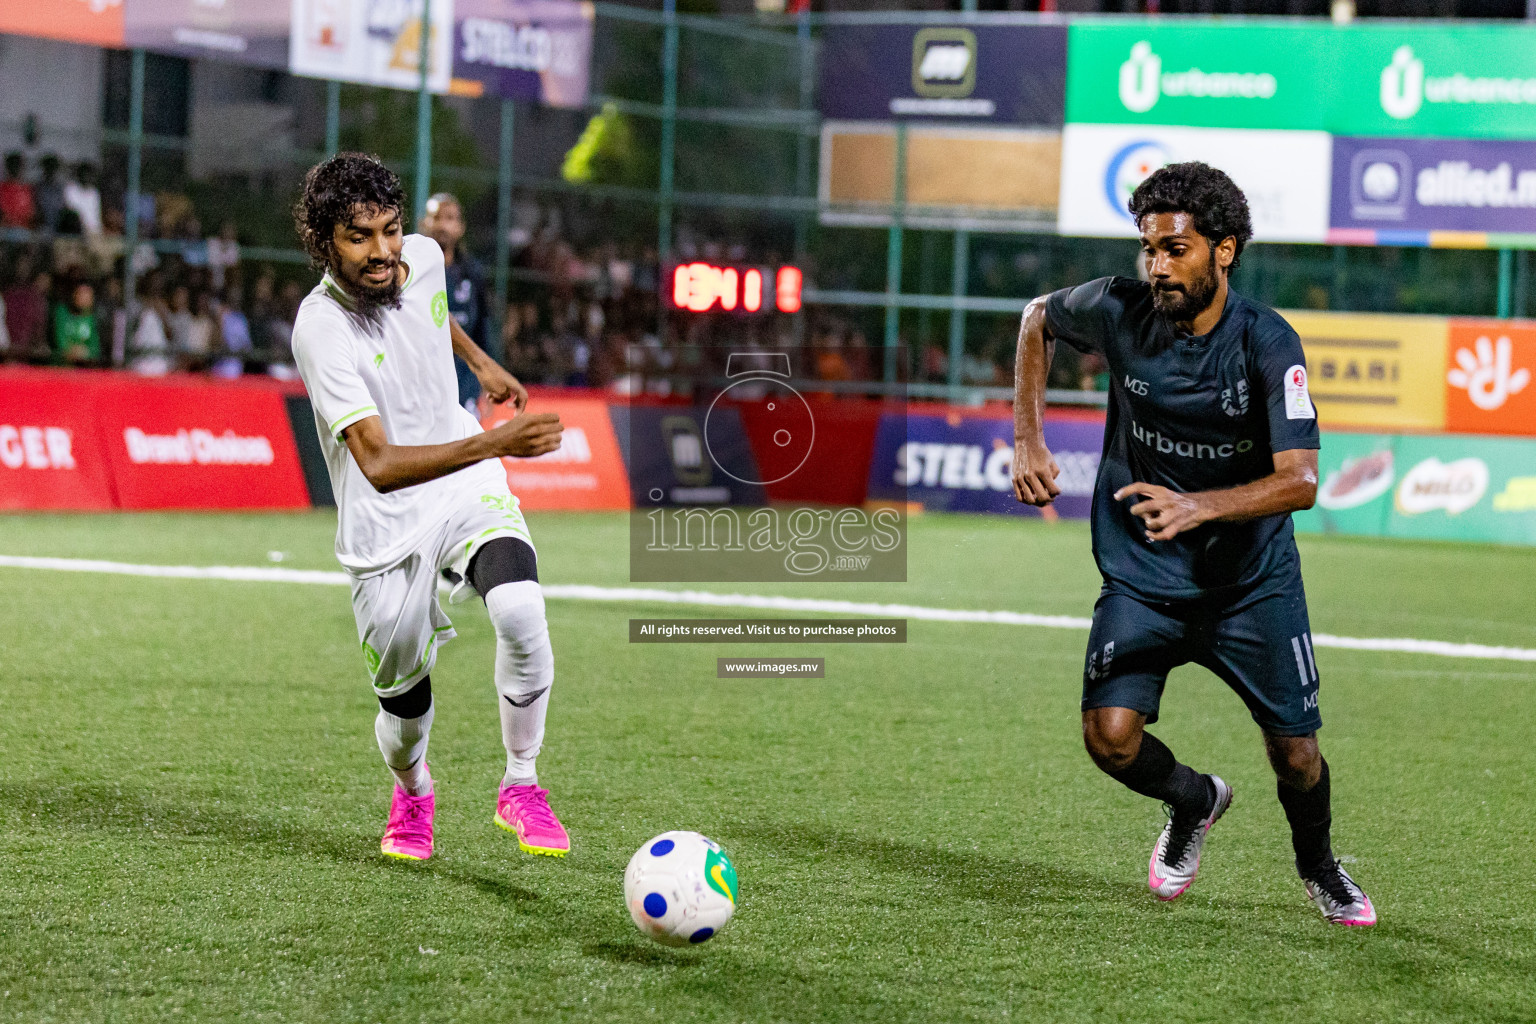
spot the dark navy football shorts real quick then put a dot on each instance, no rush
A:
(1259, 644)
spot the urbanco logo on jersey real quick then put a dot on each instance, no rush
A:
(1143, 82)
(1406, 87)
(1487, 373)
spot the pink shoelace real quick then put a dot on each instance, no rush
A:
(414, 822)
(532, 805)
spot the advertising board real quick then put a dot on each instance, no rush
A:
(1428, 486)
(1400, 190)
(585, 472)
(1455, 487)
(251, 32)
(951, 462)
(1384, 79)
(372, 42)
(175, 444)
(537, 50)
(1488, 377)
(1285, 175)
(1000, 74)
(50, 450)
(93, 22)
(1374, 370)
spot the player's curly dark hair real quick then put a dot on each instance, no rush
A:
(333, 189)
(1205, 193)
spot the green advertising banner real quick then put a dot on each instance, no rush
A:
(1445, 81)
(1430, 486)
(1355, 490)
(1455, 487)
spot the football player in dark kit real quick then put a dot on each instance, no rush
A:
(1210, 444)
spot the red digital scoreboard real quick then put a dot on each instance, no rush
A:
(704, 287)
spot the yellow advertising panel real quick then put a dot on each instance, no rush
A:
(1375, 370)
(952, 173)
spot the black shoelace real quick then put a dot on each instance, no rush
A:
(1179, 838)
(1331, 879)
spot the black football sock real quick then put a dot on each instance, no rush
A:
(1311, 816)
(1157, 774)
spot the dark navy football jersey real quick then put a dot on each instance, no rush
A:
(1192, 413)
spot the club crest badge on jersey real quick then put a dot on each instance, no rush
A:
(440, 308)
(1234, 401)
(1298, 404)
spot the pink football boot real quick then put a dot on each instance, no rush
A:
(409, 835)
(525, 810)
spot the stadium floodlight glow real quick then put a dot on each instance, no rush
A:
(700, 287)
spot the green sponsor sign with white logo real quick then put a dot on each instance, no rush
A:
(1433, 486)
(1473, 81)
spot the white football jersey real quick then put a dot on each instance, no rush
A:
(396, 364)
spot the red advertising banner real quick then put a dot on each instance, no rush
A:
(50, 450)
(96, 22)
(174, 444)
(832, 467)
(1489, 386)
(586, 472)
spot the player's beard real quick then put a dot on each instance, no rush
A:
(1181, 305)
(371, 298)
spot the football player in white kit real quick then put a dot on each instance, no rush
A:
(420, 489)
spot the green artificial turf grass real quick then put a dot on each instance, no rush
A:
(194, 801)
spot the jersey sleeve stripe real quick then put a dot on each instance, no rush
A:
(343, 422)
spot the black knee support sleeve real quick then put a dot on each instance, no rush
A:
(413, 703)
(503, 560)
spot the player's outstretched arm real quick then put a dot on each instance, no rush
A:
(1292, 487)
(1034, 470)
(499, 385)
(390, 467)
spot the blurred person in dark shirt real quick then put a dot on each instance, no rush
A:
(234, 334)
(467, 299)
(26, 312)
(49, 193)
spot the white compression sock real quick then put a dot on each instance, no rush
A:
(525, 670)
(403, 742)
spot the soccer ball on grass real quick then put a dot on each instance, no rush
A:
(680, 888)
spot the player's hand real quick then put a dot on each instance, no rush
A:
(526, 435)
(1034, 474)
(1166, 513)
(500, 386)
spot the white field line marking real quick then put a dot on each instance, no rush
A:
(710, 599)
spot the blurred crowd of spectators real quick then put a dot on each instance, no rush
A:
(62, 275)
(577, 317)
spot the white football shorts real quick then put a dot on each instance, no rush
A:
(400, 622)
